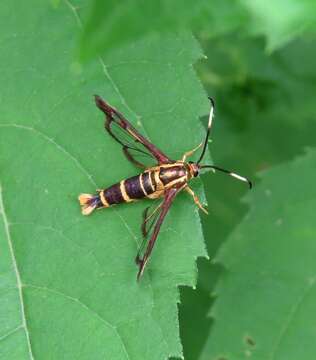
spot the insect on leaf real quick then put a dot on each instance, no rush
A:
(78, 274)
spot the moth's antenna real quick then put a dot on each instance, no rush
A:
(210, 119)
(230, 173)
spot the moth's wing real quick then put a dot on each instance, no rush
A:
(152, 221)
(135, 146)
(150, 216)
(134, 151)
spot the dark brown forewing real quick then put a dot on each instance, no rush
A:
(152, 228)
(135, 146)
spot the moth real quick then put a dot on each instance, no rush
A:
(163, 178)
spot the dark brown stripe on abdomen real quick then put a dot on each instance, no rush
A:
(113, 194)
(133, 187)
(148, 182)
(152, 179)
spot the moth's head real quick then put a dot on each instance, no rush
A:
(194, 169)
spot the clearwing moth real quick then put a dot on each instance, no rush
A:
(163, 179)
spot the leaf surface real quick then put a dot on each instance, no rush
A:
(280, 21)
(266, 297)
(265, 115)
(68, 282)
(113, 23)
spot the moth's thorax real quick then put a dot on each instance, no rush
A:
(172, 173)
(193, 169)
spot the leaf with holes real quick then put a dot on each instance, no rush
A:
(68, 282)
(266, 298)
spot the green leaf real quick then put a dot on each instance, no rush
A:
(260, 98)
(68, 282)
(265, 115)
(281, 20)
(113, 23)
(266, 297)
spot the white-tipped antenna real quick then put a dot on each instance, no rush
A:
(209, 125)
(230, 173)
(210, 119)
(241, 178)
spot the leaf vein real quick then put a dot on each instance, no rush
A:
(17, 273)
(290, 317)
(83, 305)
(11, 332)
(52, 141)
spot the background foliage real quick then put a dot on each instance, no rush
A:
(67, 283)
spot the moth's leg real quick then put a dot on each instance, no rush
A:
(190, 153)
(146, 217)
(195, 198)
(167, 201)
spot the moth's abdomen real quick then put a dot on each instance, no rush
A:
(138, 187)
(151, 184)
(112, 195)
(89, 202)
(128, 190)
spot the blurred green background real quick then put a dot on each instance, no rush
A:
(159, 60)
(265, 116)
